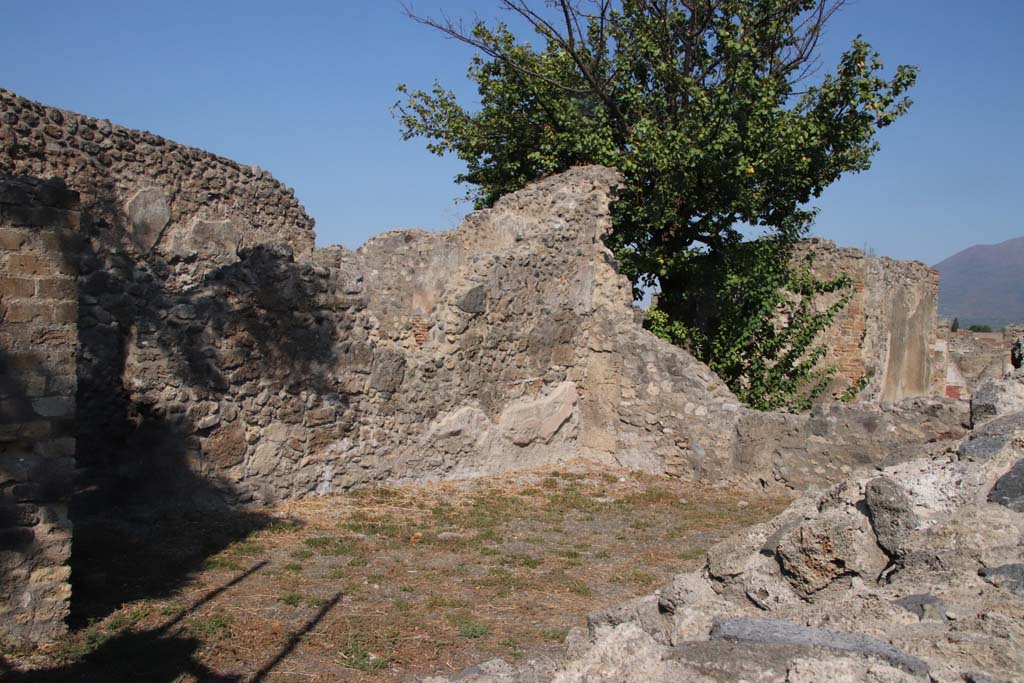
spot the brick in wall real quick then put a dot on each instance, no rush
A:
(38, 342)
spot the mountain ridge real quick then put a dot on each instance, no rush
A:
(984, 284)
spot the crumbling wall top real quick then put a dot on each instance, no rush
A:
(155, 196)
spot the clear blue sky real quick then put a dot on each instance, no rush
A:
(303, 89)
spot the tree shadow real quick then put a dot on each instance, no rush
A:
(162, 654)
(151, 500)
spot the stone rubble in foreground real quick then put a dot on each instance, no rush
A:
(914, 572)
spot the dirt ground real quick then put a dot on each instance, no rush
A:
(385, 584)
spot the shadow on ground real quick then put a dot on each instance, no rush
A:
(162, 654)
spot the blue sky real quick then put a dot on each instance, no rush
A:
(303, 89)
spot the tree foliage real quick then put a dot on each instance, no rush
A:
(714, 112)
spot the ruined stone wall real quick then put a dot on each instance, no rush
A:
(218, 357)
(509, 342)
(259, 370)
(164, 217)
(887, 330)
(152, 197)
(38, 339)
(969, 359)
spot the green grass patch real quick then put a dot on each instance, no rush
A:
(639, 578)
(333, 545)
(357, 656)
(221, 564)
(127, 619)
(445, 601)
(216, 625)
(474, 629)
(247, 549)
(693, 554)
(555, 635)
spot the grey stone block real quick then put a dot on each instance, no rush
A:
(924, 606)
(1008, 576)
(763, 630)
(1009, 490)
(891, 512)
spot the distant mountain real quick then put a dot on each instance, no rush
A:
(984, 284)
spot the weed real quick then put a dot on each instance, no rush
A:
(358, 562)
(293, 567)
(221, 564)
(504, 580)
(282, 527)
(555, 635)
(292, 599)
(357, 656)
(489, 510)
(569, 499)
(692, 554)
(445, 601)
(568, 554)
(637, 577)
(90, 640)
(574, 586)
(521, 560)
(130, 618)
(473, 629)
(215, 625)
(651, 496)
(316, 602)
(513, 646)
(169, 610)
(377, 528)
(332, 545)
(336, 574)
(301, 554)
(247, 548)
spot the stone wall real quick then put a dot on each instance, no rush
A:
(219, 358)
(152, 198)
(888, 330)
(509, 342)
(258, 369)
(38, 310)
(969, 359)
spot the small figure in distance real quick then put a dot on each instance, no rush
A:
(1017, 353)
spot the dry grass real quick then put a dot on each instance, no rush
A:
(388, 583)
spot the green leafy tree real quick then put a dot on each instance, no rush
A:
(714, 113)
